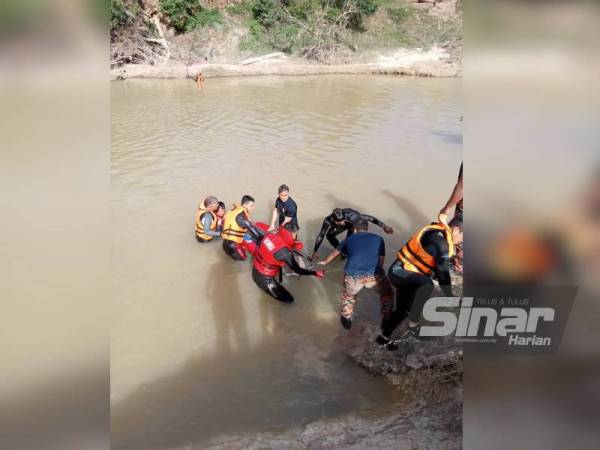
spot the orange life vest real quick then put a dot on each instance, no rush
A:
(200, 226)
(414, 257)
(231, 230)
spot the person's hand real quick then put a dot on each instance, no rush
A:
(271, 229)
(320, 273)
(298, 245)
(443, 217)
(388, 229)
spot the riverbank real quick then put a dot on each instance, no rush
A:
(436, 62)
(429, 375)
(429, 418)
(400, 37)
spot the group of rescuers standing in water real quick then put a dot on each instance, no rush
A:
(430, 251)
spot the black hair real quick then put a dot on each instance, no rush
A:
(361, 225)
(283, 188)
(247, 199)
(291, 227)
(456, 222)
(338, 214)
(222, 205)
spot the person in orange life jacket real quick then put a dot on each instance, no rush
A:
(365, 254)
(235, 225)
(275, 252)
(220, 212)
(250, 243)
(427, 252)
(207, 227)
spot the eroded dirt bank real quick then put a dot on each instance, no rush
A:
(430, 417)
(436, 62)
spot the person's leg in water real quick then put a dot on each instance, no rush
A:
(272, 287)
(407, 285)
(333, 233)
(352, 286)
(234, 250)
(386, 297)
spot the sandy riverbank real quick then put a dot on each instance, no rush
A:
(432, 63)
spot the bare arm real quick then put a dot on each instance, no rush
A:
(455, 197)
(334, 254)
(273, 219)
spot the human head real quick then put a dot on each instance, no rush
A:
(361, 225)
(283, 192)
(211, 203)
(221, 208)
(456, 226)
(248, 202)
(338, 216)
(292, 228)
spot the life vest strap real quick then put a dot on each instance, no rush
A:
(417, 257)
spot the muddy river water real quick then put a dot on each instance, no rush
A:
(197, 350)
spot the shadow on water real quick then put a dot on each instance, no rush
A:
(415, 216)
(450, 138)
(223, 294)
(294, 377)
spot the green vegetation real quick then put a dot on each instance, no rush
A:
(322, 30)
(312, 28)
(120, 15)
(187, 15)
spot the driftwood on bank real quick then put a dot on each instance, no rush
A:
(426, 69)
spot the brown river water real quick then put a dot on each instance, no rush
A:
(197, 350)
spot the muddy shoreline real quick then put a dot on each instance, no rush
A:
(435, 66)
(429, 417)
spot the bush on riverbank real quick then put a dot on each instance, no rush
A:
(326, 31)
(187, 15)
(315, 29)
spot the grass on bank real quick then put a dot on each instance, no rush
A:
(321, 30)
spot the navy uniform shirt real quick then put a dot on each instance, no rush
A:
(362, 251)
(287, 209)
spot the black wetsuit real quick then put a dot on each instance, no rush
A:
(234, 249)
(414, 289)
(271, 286)
(330, 229)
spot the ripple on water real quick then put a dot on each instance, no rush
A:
(195, 341)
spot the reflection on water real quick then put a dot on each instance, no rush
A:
(197, 349)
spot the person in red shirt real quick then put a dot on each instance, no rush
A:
(276, 250)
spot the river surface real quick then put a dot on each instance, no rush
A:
(197, 350)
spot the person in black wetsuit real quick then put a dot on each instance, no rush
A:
(340, 220)
(428, 252)
(285, 209)
(275, 252)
